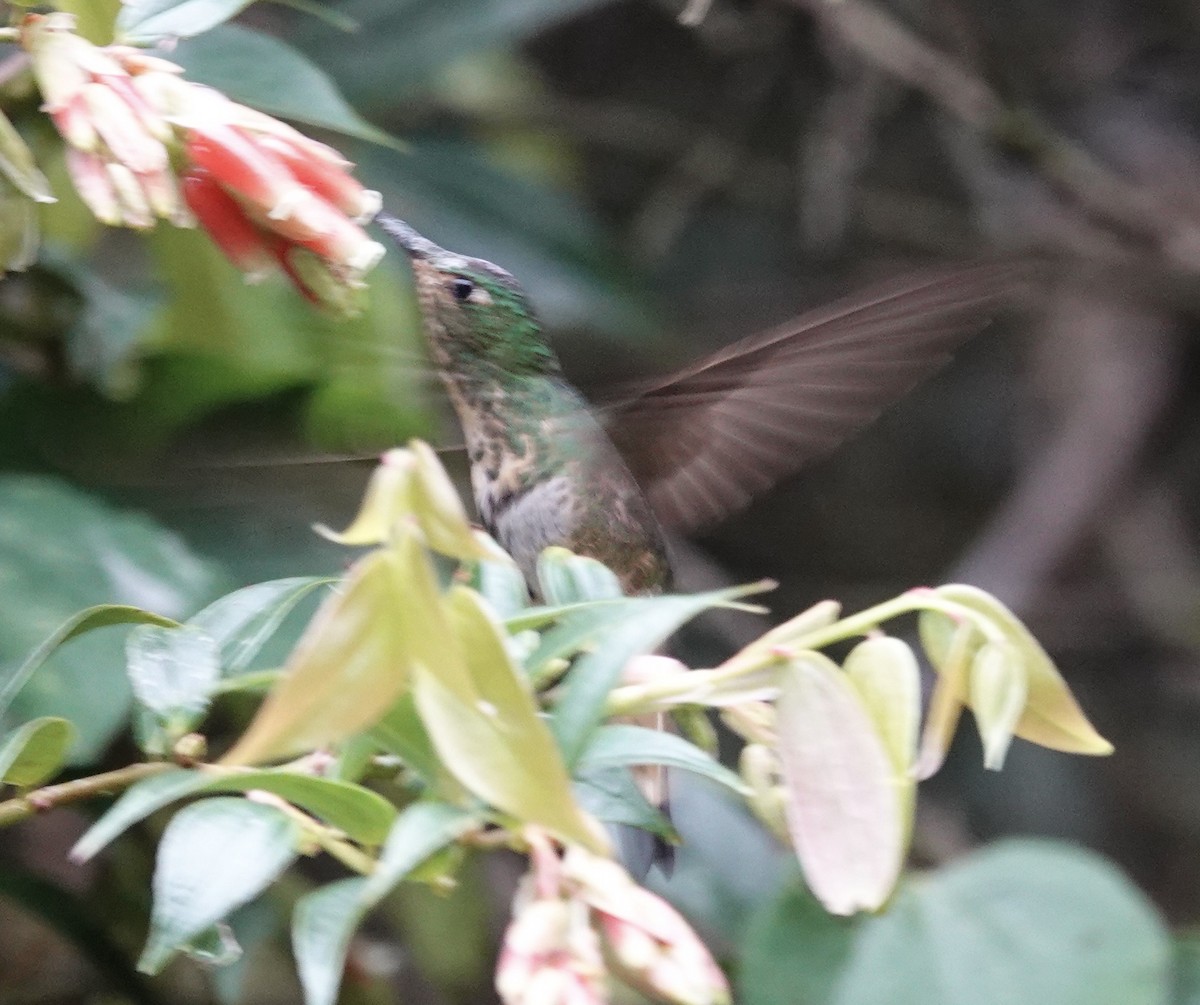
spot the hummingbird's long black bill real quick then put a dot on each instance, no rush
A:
(417, 246)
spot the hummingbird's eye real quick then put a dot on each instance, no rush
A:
(462, 289)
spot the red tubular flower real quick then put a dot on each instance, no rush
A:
(244, 244)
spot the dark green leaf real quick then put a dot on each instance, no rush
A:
(35, 751)
(63, 551)
(261, 71)
(622, 746)
(242, 622)
(214, 856)
(324, 921)
(612, 796)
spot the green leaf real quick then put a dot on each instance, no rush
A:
(63, 551)
(612, 796)
(214, 856)
(242, 622)
(101, 616)
(401, 732)
(502, 585)
(35, 751)
(261, 71)
(793, 951)
(623, 746)
(567, 578)
(1022, 921)
(613, 632)
(324, 921)
(485, 723)
(20, 232)
(173, 672)
(363, 815)
(145, 21)
(18, 166)
(347, 670)
(1052, 717)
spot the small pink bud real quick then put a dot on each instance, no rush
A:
(92, 183)
(121, 131)
(135, 206)
(74, 122)
(331, 181)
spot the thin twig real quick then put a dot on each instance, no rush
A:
(52, 796)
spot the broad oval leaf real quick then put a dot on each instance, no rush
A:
(1022, 921)
(888, 678)
(489, 732)
(1052, 717)
(846, 817)
(324, 920)
(502, 585)
(349, 667)
(214, 856)
(363, 815)
(34, 752)
(173, 672)
(242, 622)
(261, 71)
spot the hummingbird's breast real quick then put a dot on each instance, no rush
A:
(543, 473)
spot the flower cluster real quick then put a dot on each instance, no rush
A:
(576, 913)
(144, 144)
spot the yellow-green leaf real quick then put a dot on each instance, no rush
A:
(389, 496)
(1052, 717)
(346, 671)
(496, 743)
(999, 690)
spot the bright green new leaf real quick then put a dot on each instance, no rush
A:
(349, 667)
(847, 820)
(214, 856)
(34, 752)
(363, 815)
(324, 921)
(173, 672)
(268, 74)
(1051, 717)
(101, 616)
(489, 733)
(623, 746)
(1022, 921)
(242, 622)
(567, 578)
(143, 21)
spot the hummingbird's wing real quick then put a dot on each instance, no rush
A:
(708, 439)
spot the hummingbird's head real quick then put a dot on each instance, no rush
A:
(475, 312)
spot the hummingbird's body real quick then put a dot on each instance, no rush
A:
(688, 450)
(543, 470)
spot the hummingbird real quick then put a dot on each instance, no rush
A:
(683, 452)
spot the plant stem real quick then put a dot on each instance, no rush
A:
(52, 796)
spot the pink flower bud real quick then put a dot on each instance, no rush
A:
(243, 169)
(327, 179)
(131, 197)
(121, 130)
(93, 185)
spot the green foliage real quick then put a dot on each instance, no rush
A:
(1021, 921)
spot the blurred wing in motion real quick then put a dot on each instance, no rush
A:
(708, 439)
